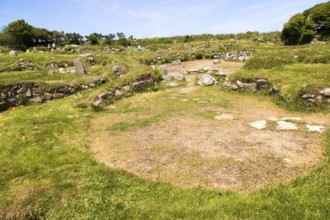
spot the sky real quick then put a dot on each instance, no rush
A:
(146, 18)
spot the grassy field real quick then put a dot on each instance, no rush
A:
(47, 168)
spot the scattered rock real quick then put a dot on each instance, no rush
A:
(325, 92)
(259, 124)
(116, 70)
(163, 69)
(37, 99)
(250, 86)
(99, 102)
(207, 80)
(184, 100)
(176, 62)
(180, 77)
(261, 83)
(216, 61)
(239, 83)
(228, 85)
(285, 126)
(315, 128)
(142, 85)
(105, 95)
(61, 70)
(308, 96)
(172, 85)
(221, 74)
(118, 92)
(13, 53)
(168, 78)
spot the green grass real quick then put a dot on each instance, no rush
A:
(46, 169)
(295, 71)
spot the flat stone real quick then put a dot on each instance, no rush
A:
(172, 85)
(221, 117)
(286, 126)
(315, 128)
(184, 100)
(262, 124)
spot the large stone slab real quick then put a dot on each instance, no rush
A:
(262, 124)
(286, 126)
(79, 66)
(315, 128)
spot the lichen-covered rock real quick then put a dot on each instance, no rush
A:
(207, 80)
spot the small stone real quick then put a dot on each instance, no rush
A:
(325, 92)
(311, 101)
(228, 85)
(207, 80)
(216, 61)
(12, 53)
(48, 96)
(37, 99)
(315, 128)
(167, 77)
(163, 69)
(61, 70)
(239, 83)
(259, 124)
(105, 95)
(176, 62)
(308, 96)
(99, 102)
(184, 100)
(180, 77)
(221, 74)
(285, 126)
(172, 85)
(118, 92)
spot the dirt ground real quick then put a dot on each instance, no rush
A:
(191, 150)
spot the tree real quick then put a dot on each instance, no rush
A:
(303, 27)
(121, 35)
(94, 38)
(292, 30)
(18, 34)
(41, 35)
(108, 39)
(73, 38)
(58, 36)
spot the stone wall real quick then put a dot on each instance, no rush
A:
(239, 56)
(31, 92)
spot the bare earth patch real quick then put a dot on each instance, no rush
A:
(191, 150)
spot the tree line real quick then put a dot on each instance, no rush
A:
(302, 28)
(21, 35)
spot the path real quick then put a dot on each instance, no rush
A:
(190, 147)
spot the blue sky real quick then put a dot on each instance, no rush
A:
(148, 18)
